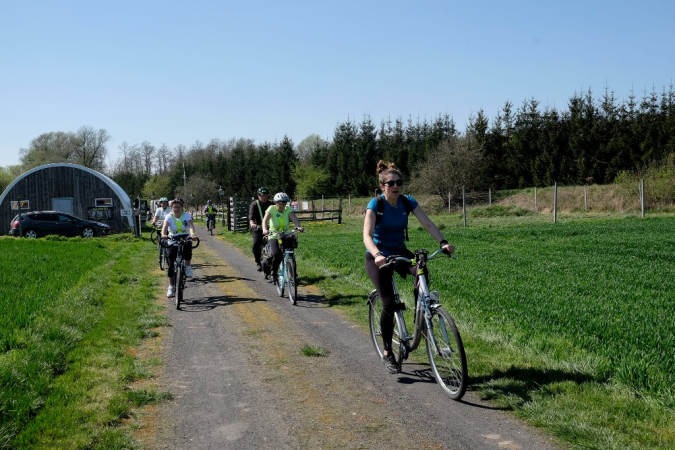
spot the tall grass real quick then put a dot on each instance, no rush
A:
(71, 308)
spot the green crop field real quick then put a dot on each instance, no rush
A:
(568, 324)
(69, 311)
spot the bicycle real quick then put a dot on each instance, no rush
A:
(444, 344)
(287, 274)
(211, 223)
(179, 240)
(163, 251)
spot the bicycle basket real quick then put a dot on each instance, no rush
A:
(290, 241)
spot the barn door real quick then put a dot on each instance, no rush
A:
(63, 204)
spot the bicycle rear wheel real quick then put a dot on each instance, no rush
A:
(374, 314)
(446, 354)
(290, 279)
(180, 275)
(280, 281)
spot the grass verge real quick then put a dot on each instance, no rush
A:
(66, 376)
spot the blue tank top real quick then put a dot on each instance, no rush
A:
(390, 232)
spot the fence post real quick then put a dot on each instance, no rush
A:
(585, 198)
(449, 201)
(642, 197)
(350, 203)
(489, 196)
(535, 198)
(555, 203)
(340, 212)
(464, 204)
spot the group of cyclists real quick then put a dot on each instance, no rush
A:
(277, 217)
(384, 234)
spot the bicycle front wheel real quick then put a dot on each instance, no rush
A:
(290, 281)
(374, 314)
(280, 281)
(446, 354)
(180, 275)
(154, 236)
(162, 257)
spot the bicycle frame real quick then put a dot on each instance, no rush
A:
(424, 304)
(422, 309)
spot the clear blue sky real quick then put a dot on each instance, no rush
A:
(177, 72)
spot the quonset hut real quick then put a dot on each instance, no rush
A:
(68, 188)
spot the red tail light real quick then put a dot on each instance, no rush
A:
(15, 224)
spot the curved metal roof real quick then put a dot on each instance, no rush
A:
(121, 194)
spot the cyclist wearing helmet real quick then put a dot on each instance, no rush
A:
(278, 218)
(161, 212)
(255, 215)
(210, 213)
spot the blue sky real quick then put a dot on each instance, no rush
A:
(173, 73)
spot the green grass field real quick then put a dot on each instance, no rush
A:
(71, 310)
(569, 324)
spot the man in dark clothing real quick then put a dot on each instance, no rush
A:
(256, 212)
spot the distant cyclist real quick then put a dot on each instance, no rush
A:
(161, 212)
(278, 217)
(178, 222)
(210, 212)
(256, 213)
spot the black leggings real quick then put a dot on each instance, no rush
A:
(381, 278)
(256, 248)
(173, 254)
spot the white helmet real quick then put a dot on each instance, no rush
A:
(280, 197)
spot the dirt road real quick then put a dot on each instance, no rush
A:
(233, 361)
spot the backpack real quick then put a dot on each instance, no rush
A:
(380, 210)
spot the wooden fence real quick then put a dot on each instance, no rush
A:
(313, 210)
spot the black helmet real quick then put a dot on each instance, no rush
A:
(263, 191)
(209, 201)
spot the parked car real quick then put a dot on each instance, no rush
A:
(41, 223)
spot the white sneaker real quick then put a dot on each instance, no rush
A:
(188, 271)
(170, 292)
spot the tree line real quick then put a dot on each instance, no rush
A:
(593, 141)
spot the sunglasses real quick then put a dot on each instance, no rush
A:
(391, 183)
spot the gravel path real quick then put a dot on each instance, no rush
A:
(233, 361)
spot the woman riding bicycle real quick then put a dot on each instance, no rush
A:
(161, 212)
(278, 218)
(178, 222)
(386, 236)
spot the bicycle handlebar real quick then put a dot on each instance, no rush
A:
(179, 239)
(285, 233)
(391, 259)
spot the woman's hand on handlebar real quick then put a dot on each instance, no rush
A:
(380, 260)
(448, 249)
